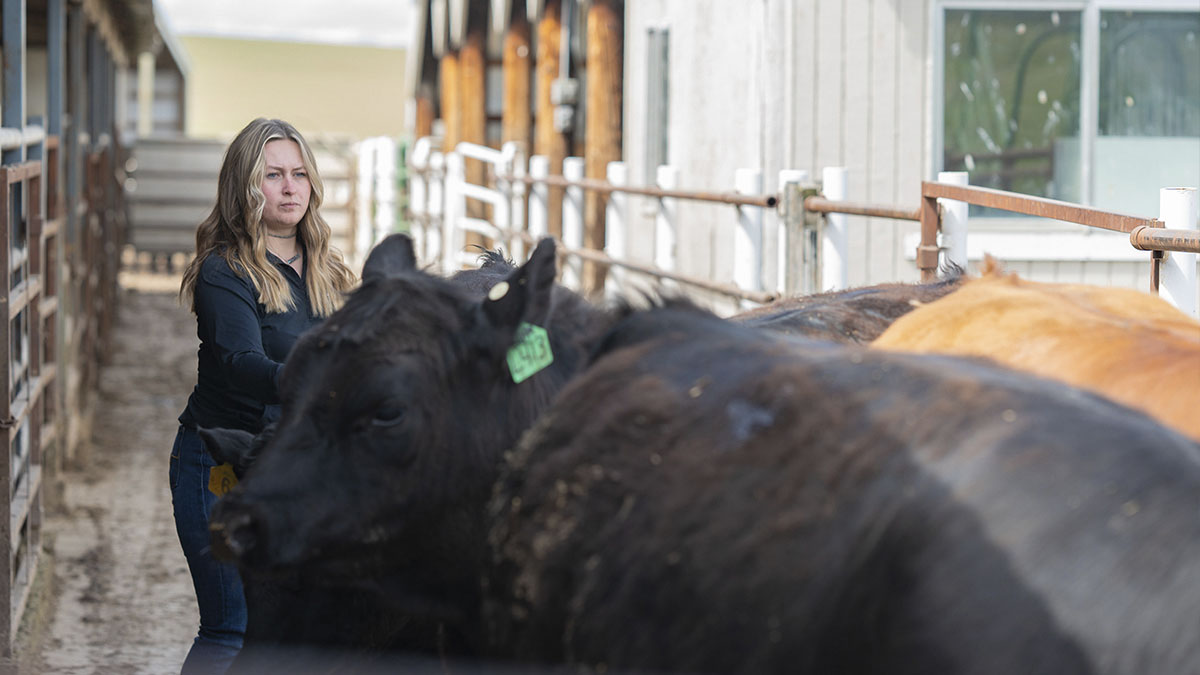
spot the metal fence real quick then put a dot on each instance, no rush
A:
(810, 225)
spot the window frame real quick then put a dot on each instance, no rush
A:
(1089, 105)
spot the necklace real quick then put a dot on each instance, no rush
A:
(282, 236)
(290, 260)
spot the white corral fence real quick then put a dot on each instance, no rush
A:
(807, 222)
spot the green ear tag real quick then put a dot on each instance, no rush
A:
(530, 353)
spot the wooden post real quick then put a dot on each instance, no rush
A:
(473, 72)
(424, 122)
(516, 119)
(451, 102)
(548, 141)
(602, 135)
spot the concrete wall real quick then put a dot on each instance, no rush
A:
(321, 89)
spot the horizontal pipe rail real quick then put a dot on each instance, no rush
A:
(1035, 206)
(1145, 238)
(603, 259)
(822, 205)
(596, 185)
(11, 138)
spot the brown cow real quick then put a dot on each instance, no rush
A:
(1130, 346)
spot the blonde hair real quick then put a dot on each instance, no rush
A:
(234, 229)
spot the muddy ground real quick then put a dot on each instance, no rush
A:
(113, 594)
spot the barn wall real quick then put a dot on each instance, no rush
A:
(780, 84)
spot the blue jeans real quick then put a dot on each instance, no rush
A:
(218, 586)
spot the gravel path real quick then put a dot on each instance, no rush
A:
(114, 594)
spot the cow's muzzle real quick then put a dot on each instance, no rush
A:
(234, 532)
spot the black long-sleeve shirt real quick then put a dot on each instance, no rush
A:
(242, 347)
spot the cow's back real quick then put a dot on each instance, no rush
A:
(856, 315)
(1130, 346)
(712, 503)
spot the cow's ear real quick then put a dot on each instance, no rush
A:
(524, 296)
(227, 446)
(390, 257)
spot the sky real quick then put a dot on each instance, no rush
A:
(377, 23)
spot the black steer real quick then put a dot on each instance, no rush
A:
(395, 413)
(708, 498)
(856, 315)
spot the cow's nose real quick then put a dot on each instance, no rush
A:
(233, 532)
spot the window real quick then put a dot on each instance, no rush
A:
(1093, 102)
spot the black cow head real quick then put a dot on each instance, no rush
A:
(396, 411)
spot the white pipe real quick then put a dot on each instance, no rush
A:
(1178, 209)
(835, 244)
(572, 221)
(456, 207)
(665, 232)
(516, 197)
(954, 221)
(748, 235)
(418, 194)
(364, 198)
(616, 238)
(539, 196)
(11, 139)
(435, 233)
(787, 178)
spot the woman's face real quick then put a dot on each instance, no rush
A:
(285, 185)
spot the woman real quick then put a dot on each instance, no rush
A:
(263, 274)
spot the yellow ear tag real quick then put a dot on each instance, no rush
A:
(221, 479)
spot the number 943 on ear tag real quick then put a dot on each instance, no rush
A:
(529, 353)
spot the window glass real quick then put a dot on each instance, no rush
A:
(1012, 100)
(1149, 108)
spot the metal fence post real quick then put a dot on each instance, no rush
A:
(455, 209)
(954, 221)
(748, 236)
(385, 188)
(616, 238)
(835, 243)
(418, 194)
(572, 221)
(665, 233)
(1177, 208)
(435, 235)
(515, 153)
(789, 254)
(539, 196)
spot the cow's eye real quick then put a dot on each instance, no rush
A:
(388, 415)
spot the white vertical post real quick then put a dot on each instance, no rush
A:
(787, 178)
(1177, 208)
(361, 236)
(748, 236)
(539, 194)
(665, 233)
(616, 237)
(516, 197)
(435, 233)
(385, 188)
(452, 234)
(572, 221)
(954, 221)
(417, 195)
(835, 244)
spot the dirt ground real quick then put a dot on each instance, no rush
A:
(113, 593)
